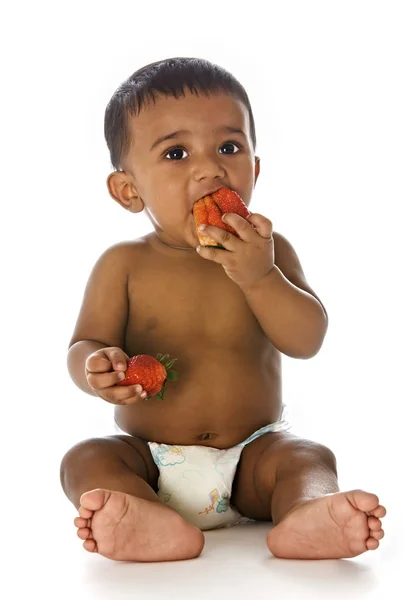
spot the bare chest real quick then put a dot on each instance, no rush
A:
(229, 372)
(175, 304)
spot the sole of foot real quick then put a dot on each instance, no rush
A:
(340, 525)
(122, 527)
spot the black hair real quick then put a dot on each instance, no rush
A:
(171, 77)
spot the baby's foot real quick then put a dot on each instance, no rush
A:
(123, 527)
(340, 525)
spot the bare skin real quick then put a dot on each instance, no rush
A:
(157, 295)
(341, 525)
(119, 525)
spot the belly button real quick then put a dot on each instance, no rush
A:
(207, 436)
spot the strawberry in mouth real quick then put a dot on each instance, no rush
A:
(210, 209)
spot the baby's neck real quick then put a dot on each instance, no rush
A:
(175, 247)
(170, 249)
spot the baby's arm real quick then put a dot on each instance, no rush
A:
(288, 310)
(103, 315)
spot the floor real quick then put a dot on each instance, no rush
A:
(43, 557)
(235, 564)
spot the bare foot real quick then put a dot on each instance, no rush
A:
(123, 527)
(340, 525)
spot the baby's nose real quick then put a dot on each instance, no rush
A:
(209, 167)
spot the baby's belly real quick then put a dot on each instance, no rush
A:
(218, 401)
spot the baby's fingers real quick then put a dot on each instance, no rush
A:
(96, 363)
(129, 394)
(100, 381)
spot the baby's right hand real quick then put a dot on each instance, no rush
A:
(104, 369)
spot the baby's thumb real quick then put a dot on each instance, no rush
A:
(117, 357)
(261, 224)
(97, 362)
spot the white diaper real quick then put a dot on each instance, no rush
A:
(196, 481)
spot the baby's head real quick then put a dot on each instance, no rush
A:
(177, 130)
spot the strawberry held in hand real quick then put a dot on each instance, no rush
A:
(151, 373)
(210, 209)
(230, 235)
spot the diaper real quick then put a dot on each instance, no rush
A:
(196, 481)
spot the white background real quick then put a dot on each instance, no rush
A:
(325, 80)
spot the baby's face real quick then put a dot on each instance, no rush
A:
(207, 146)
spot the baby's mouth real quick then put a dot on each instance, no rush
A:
(210, 209)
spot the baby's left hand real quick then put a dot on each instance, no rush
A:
(247, 259)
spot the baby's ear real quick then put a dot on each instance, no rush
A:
(122, 189)
(257, 168)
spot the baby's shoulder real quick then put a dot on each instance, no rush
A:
(120, 259)
(125, 250)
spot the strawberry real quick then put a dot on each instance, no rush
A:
(229, 201)
(151, 373)
(209, 211)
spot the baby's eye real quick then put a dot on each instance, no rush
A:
(175, 154)
(228, 148)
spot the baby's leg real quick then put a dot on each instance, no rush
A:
(112, 483)
(293, 481)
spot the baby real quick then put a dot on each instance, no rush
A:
(216, 451)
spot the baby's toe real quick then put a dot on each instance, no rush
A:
(90, 546)
(84, 533)
(80, 522)
(364, 501)
(372, 544)
(85, 512)
(377, 535)
(374, 524)
(379, 512)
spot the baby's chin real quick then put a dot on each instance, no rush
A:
(190, 239)
(191, 242)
